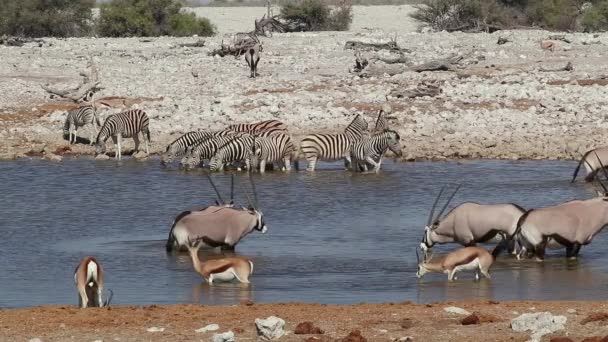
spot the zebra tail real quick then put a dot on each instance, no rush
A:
(148, 134)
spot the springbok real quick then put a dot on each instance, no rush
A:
(88, 278)
(220, 226)
(252, 56)
(592, 164)
(474, 259)
(224, 269)
(571, 225)
(470, 223)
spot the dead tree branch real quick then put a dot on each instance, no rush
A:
(85, 90)
(444, 64)
(199, 43)
(567, 67)
(422, 89)
(241, 43)
(362, 46)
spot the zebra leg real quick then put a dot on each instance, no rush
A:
(262, 165)
(373, 162)
(312, 161)
(136, 139)
(287, 163)
(147, 141)
(93, 134)
(118, 146)
(72, 133)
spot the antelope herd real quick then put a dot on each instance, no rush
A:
(525, 233)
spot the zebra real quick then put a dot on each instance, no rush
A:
(381, 122)
(259, 127)
(252, 57)
(183, 145)
(206, 149)
(237, 149)
(80, 117)
(277, 147)
(126, 124)
(371, 150)
(332, 146)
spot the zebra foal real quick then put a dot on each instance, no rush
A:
(126, 124)
(372, 149)
(277, 147)
(81, 117)
(332, 146)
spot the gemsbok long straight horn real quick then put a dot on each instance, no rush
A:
(571, 225)
(470, 223)
(224, 269)
(592, 164)
(474, 259)
(88, 278)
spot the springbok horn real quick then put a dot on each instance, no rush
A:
(448, 202)
(109, 300)
(219, 196)
(430, 220)
(604, 170)
(255, 193)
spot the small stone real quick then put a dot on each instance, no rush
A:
(539, 323)
(307, 328)
(571, 311)
(456, 310)
(155, 329)
(210, 327)
(270, 328)
(223, 337)
(354, 336)
(595, 317)
(561, 339)
(406, 323)
(35, 339)
(102, 157)
(470, 319)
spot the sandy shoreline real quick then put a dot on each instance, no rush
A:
(376, 322)
(500, 103)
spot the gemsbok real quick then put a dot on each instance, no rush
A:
(220, 226)
(474, 259)
(88, 278)
(470, 223)
(592, 162)
(571, 225)
(224, 269)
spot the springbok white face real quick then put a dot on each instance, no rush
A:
(421, 271)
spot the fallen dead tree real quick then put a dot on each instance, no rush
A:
(198, 43)
(19, 41)
(401, 64)
(363, 46)
(567, 67)
(240, 44)
(422, 89)
(85, 90)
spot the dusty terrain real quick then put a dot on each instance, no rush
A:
(376, 322)
(497, 103)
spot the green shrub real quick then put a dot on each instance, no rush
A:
(553, 14)
(128, 18)
(595, 18)
(46, 18)
(318, 15)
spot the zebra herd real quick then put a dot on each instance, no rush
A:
(250, 146)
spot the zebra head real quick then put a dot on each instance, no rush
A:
(394, 142)
(217, 162)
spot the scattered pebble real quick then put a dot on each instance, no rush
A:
(223, 337)
(456, 310)
(155, 329)
(539, 323)
(270, 328)
(307, 328)
(210, 327)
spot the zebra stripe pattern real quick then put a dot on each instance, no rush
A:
(259, 127)
(332, 146)
(127, 124)
(237, 149)
(381, 122)
(277, 147)
(183, 144)
(371, 150)
(206, 149)
(78, 118)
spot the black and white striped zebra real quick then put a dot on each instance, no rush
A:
(182, 145)
(275, 148)
(259, 127)
(372, 149)
(332, 146)
(381, 122)
(205, 149)
(126, 124)
(80, 117)
(235, 151)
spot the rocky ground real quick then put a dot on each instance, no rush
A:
(463, 321)
(497, 102)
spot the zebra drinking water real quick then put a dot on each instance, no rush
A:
(236, 150)
(80, 117)
(277, 147)
(332, 146)
(126, 124)
(206, 149)
(183, 145)
(371, 150)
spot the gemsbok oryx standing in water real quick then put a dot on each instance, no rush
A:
(371, 150)
(471, 223)
(592, 160)
(126, 124)
(474, 259)
(218, 227)
(571, 225)
(88, 278)
(224, 269)
(252, 56)
(331, 147)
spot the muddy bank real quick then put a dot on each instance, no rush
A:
(507, 101)
(375, 322)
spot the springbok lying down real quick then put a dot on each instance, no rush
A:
(571, 225)
(470, 223)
